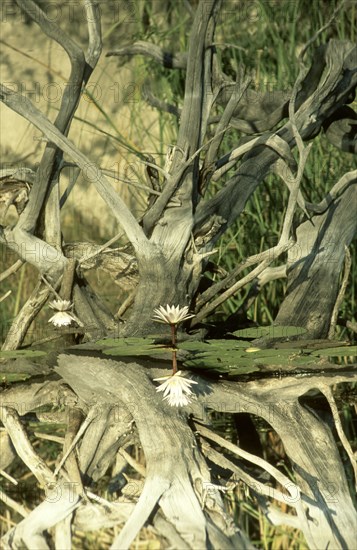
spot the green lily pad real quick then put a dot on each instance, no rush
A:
(232, 357)
(216, 345)
(281, 361)
(236, 357)
(209, 363)
(131, 346)
(8, 378)
(277, 354)
(301, 360)
(219, 356)
(117, 342)
(13, 354)
(273, 331)
(341, 351)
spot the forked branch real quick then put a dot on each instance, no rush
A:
(25, 108)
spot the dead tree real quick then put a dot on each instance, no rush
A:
(178, 233)
(163, 262)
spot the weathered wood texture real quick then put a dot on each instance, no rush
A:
(181, 226)
(175, 489)
(315, 263)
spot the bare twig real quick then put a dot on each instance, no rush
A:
(8, 477)
(15, 267)
(283, 245)
(125, 305)
(167, 59)
(70, 98)
(270, 254)
(49, 437)
(51, 288)
(74, 422)
(326, 390)
(133, 463)
(137, 185)
(277, 474)
(6, 295)
(29, 311)
(278, 250)
(195, 112)
(92, 414)
(273, 141)
(157, 103)
(24, 512)
(94, 50)
(284, 242)
(249, 480)
(321, 29)
(172, 183)
(347, 179)
(101, 249)
(237, 94)
(23, 447)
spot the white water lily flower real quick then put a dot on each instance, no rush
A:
(177, 389)
(62, 317)
(60, 305)
(172, 315)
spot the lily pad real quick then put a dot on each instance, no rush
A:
(114, 342)
(232, 357)
(341, 351)
(212, 364)
(273, 331)
(277, 354)
(216, 345)
(13, 354)
(236, 357)
(8, 378)
(284, 361)
(219, 356)
(131, 346)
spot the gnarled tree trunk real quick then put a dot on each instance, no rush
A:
(315, 262)
(177, 489)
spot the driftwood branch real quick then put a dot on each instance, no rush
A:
(109, 408)
(177, 488)
(147, 49)
(314, 105)
(212, 153)
(315, 262)
(24, 107)
(29, 311)
(314, 458)
(46, 254)
(68, 106)
(284, 241)
(194, 117)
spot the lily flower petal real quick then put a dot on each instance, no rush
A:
(171, 315)
(61, 319)
(60, 305)
(176, 389)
